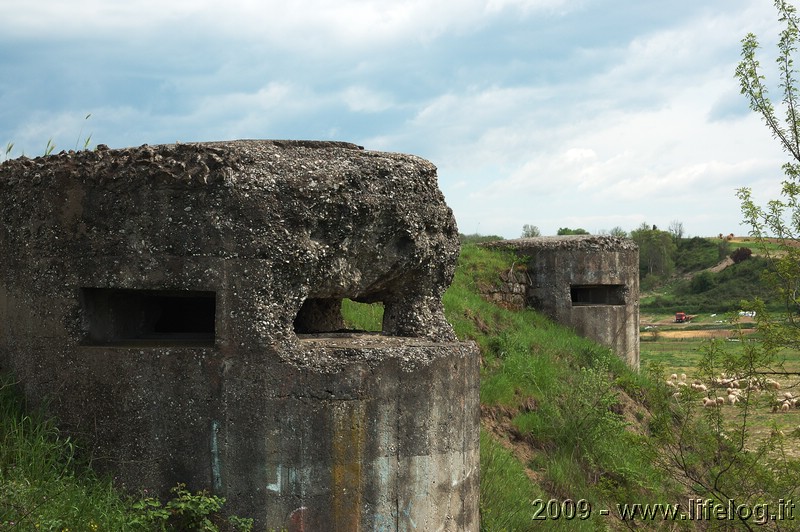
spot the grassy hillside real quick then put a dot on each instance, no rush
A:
(706, 279)
(562, 417)
(568, 431)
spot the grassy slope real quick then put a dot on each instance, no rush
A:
(696, 288)
(557, 410)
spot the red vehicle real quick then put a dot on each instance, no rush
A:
(681, 317)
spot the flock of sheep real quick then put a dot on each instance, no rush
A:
(736, 390)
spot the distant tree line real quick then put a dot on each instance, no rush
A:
(663, 253)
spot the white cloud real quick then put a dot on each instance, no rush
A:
(362, 99)
(300, 25)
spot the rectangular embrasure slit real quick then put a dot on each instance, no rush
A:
(148, 317)
(597, 294)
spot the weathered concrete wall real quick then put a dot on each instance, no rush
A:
(179, 306)
(590, 283)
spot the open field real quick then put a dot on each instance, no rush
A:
(679, 349)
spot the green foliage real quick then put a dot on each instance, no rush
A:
(618, 232)
(362, 316)
(529, 231)
(506, 492)
(568, 231)
(696, 253)
(702, 282)
(656, 251)
(88, 139)
(716, 455)
(709, 292)
(475, 238)
(780, 218)
(564, 395)
(723, 248)
(50, 147)
(42, 485)
(741, 254)
(185, 511)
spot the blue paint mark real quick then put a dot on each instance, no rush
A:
(276, 486)
(216, 476)
(407, 514)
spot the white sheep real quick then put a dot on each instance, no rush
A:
(720, 400)
(708, 402)
(683, 376)
(674, 376)
(732, 399)
(785, 407)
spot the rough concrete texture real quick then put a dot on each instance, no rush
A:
(179, 306)
(587, 282)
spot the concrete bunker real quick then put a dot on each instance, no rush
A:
(589, 283)
(180, 308)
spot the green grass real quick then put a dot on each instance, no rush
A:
(44, 486)
(506, 490)
(563, 397)
(362, 316)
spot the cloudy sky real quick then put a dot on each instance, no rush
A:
(555, 113)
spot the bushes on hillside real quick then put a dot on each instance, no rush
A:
(696, 254)
(702, 282)
(741, 254)
(716, 292)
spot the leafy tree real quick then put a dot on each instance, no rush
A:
(529, 231)
(656, 250)
(618, 232)
(615, 231)
(568, 231)
(780, 218)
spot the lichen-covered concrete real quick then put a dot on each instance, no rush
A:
(179, 308)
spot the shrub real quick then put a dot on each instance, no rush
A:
(702, 282)
(741, 254)
(696, 254)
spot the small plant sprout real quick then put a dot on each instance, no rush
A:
(50, 147)
(80, 133)
(9, 147)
